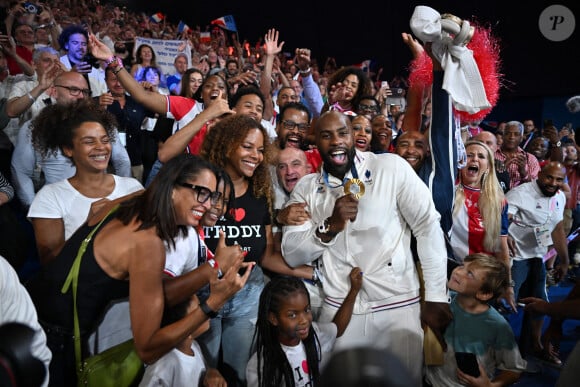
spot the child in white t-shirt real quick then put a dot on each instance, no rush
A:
(184, 365)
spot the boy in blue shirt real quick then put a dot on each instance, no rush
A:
(478, 328)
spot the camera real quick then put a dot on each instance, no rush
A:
(31, 8)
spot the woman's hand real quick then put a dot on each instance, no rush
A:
(99, 49)
(228, 256)
(294, 214)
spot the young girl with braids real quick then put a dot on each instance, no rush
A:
(290, 346)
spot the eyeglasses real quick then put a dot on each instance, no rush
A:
(368, 108)
(290, 125)
(75, 91)
(203, 193)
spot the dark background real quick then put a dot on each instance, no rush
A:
(533, 67)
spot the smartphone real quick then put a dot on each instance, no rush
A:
(31, 8)
(94, 62)
(467, 363)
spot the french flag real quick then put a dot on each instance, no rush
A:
(158, 17)
(182, 27)
(226, 22)
(205, 37)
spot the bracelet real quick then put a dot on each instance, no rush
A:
(209, 312)
(305, 72)
(31, 97)
(213, 263)
(110, 60)
(117, 70)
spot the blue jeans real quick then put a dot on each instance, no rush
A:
(529, 276)
(233, 328)
(153, 172)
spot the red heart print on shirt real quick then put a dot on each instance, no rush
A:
(305, 366)
(238, 214)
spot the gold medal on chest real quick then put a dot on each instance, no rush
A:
(354, 187)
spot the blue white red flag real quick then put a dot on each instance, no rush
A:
(158, 17)
(182, 27)
(226, 22)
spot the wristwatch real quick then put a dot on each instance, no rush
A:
(556, 145)
(209, 312)
(324, 227)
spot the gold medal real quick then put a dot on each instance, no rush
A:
(354, 187)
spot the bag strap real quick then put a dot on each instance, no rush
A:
(73, 279)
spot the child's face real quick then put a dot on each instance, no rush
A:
(293, 320)
(219, 209)
(467, 279)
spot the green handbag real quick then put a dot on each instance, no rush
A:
(118, 366)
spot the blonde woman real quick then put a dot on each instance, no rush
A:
(480, 219)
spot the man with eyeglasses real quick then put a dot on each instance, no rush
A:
(292, 129)
(30, 170)
(368, 107)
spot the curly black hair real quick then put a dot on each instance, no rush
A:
(69, 31)
(225, 137)
(55, 126)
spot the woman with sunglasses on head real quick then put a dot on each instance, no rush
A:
(126, 258)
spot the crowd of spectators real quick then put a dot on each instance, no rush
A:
(89, 116)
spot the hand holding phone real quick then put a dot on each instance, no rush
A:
(467, 363)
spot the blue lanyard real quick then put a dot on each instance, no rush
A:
(353, 172)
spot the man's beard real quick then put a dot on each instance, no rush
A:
(545, 192)
(338, 170)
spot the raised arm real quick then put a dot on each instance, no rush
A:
(271, 49)
(177, 142)
(311, 90)
(153, 101)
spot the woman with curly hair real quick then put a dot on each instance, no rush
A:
(346, 87)
(83, 132)
(240, 145)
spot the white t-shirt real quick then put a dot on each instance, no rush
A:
(534, 215)
(176, 369)
(62, 200)
(296, 356)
